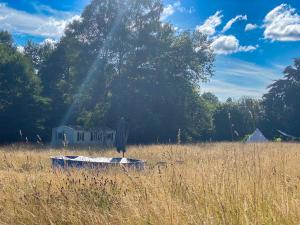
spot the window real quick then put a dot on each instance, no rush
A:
(109, 136)
(60, 136)
(80, 136)
(92, 136)
(97, 136)
(100, 137)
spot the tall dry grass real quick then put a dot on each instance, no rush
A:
(200, 184)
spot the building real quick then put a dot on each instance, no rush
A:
(77, 136)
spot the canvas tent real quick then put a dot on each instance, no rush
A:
(256, 136)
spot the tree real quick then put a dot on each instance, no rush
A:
(120, 60)
(227, 121)
(253, 113)
(282, 102)
(235, 119)
(21, 104)
(38, 53)
(210, 98)
(6, 38)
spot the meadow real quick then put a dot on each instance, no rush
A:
(216, 183)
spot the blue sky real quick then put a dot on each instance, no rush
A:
(254, 40)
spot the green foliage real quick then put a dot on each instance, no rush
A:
(6, 38)
(211, 98)
(278, 140)
(21, 103)
(121, 60)
(38, 53)
(282, 102)
(235, 119)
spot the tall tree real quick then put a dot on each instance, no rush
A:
(282, 102)
(234, 119)
(38, 53)
(21, 104)
(6, 38)
(119, 60)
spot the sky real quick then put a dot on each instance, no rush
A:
(253, 40)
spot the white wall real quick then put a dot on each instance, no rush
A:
(68, 131)
(71, 135)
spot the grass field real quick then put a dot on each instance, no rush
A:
(200, 184)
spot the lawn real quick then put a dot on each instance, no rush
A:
(216, 183)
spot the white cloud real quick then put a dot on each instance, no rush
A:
(47, 10)
(225, 89)
(282, 24)
(20, 49)
(236, 78)
(250, 26)
(178, 6)
(21, 22)
(170, 9)
(223, 44)
(210, 24)
(49, 41)
(2, 17)
(232, 21)
(228, 44)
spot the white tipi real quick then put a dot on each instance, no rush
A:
(256, 136)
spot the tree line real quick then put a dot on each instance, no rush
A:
(120, 60)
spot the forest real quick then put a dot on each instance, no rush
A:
(120, 60)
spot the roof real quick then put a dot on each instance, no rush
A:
(81, 128)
